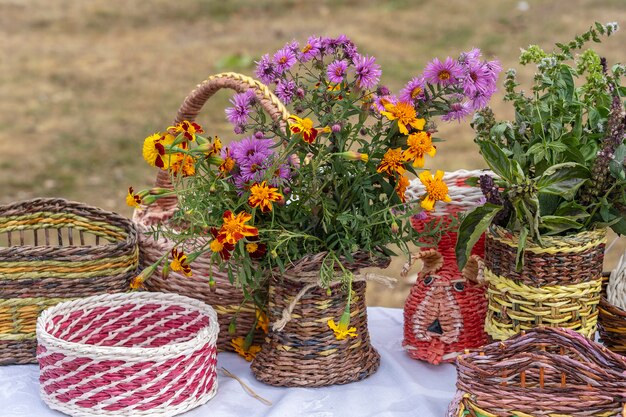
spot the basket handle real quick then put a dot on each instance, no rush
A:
(194, 102)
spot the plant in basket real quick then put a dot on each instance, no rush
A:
(561, 184)
(309, 197)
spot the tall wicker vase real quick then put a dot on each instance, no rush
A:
(227, 300)
(559, 285)
(303, 351)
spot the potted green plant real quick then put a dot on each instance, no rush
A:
(561, 184)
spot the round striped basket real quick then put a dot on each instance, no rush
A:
(134, 354)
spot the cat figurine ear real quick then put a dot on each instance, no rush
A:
(474, 270)
(431, 259)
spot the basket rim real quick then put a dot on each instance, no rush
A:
(129, 228)
(510, 238)
(207, 334)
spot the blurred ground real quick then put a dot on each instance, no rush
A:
(83, 82)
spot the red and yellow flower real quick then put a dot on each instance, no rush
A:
(262, 195)
(436, 189)
(235, 228)
(420, 144)
(255, 249)
(182, 164)
(401, 186)
(304, 127)
(187, 128)
(404, 113)
(179, 262)
(392, 163)
(223, 248)
(132, 199)
(262, 323)
(154, 149)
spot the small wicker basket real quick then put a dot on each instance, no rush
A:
(612, 318)
(53, 250)
(227, 299)
(134, 354)
(445, 310)
(545, 372)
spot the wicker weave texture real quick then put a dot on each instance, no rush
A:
(53, 250)
(227, 299)
(612, 318)
(545, 372)
(135, 354)
(559, 285)
(444, 313)
(306, 353)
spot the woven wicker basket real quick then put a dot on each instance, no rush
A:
(445, 310)
(305, 352)
(612, 318)
(135, 354)
(559, 285)
(227, 299)
(53, 250)
(545, 372)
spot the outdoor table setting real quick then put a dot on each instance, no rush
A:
(239, 285)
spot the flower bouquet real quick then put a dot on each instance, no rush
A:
(308, 198)
(561, 184)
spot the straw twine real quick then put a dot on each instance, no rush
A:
(558, 286)
(226, 298)
(460, 311)
(53, 250)
(545, 372)
(137, 354)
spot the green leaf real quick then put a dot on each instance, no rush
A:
(474, 224)
(521, 245)
(563, 179)
(497, 160)
(558, 224)
(566, 76)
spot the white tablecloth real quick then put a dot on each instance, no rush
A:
(401, 387)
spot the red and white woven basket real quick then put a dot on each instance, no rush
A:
(135, 354)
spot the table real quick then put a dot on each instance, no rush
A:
(401, 387)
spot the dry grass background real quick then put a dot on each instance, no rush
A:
(83, 82)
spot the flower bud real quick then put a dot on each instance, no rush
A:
(336, 128)
(354, 156)
(395, 228)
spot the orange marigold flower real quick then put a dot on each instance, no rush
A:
(436, 189)
(133, 199)
(227, 165)
(393, 161)
(235, 227)
(184, 164)
(187, 128)
(405, 114)
(262, 323)
(239, 344)
(420, 144)
(137, 281)
(224, 249)
(262, 195)
(179, 262)
(255, 249)
(305, 128)
(401, 186)
(154, 149)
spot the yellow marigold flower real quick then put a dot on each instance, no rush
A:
(262, 322)
(304, 127)
(154, 149)
(401, 186)
(436, 189)
(179, 262)
(262, 195)
(239, 343)
(227, 165)
(342, 330)
(235, 227)
(420, 144)
(184, 164)
(393, 161)
(405, 114)
(217, 147)
(133, 199)
(187, 128)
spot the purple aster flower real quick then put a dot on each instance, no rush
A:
(336, 71)
(377, 101)
(458, 111)
(495, 68)
(470, 57)
(238, 114)
(330, 45)
(350, 50)
(478, 79)
(367, 71)
(285, 90)
(284, 59)
(265, 70)
(294, 46)
(311, 49)
(413, 90)
(444, 73)
(251, 149)
(480, 99)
